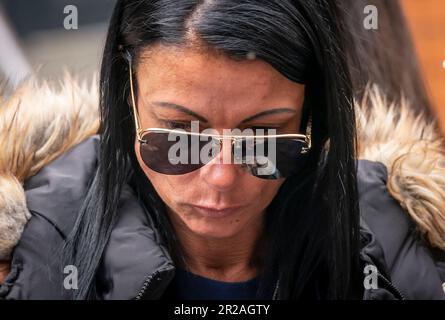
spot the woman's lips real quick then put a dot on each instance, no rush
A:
(213, 212)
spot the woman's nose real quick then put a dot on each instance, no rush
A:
(221, 173)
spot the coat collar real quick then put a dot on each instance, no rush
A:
(135, 263)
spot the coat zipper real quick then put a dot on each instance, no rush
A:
(275, 292)
(391, 286)
(385, 280)
(146, 283)
(149, 279)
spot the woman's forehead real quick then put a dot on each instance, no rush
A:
(213, 79)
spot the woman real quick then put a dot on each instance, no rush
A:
(138, 228)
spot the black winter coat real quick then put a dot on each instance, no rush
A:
(135, 265)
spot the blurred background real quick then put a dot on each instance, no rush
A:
(33, 37)
(426, 19)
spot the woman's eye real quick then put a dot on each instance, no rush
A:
(263, 128)
(177, 125)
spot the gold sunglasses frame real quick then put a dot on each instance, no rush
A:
(139, 131)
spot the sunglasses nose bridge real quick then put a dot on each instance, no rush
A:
(220, 140)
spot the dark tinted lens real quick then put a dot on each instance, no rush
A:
(174, 155)
(288, 157)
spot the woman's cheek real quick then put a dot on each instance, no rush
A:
(173, 190)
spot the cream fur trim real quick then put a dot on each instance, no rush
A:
(37, 124)
(413, 151)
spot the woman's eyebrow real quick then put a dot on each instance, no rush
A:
(180, 109)
(268, 112)
(201, 118)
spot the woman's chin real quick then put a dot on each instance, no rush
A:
(215, 230)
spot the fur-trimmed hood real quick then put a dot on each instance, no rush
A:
(413, 151)
(38, 123)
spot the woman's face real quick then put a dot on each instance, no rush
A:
(227, 94)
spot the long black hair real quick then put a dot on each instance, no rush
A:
(312, 224)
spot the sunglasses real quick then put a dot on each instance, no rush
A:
(177, 152)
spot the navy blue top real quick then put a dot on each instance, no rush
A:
(189, 286)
